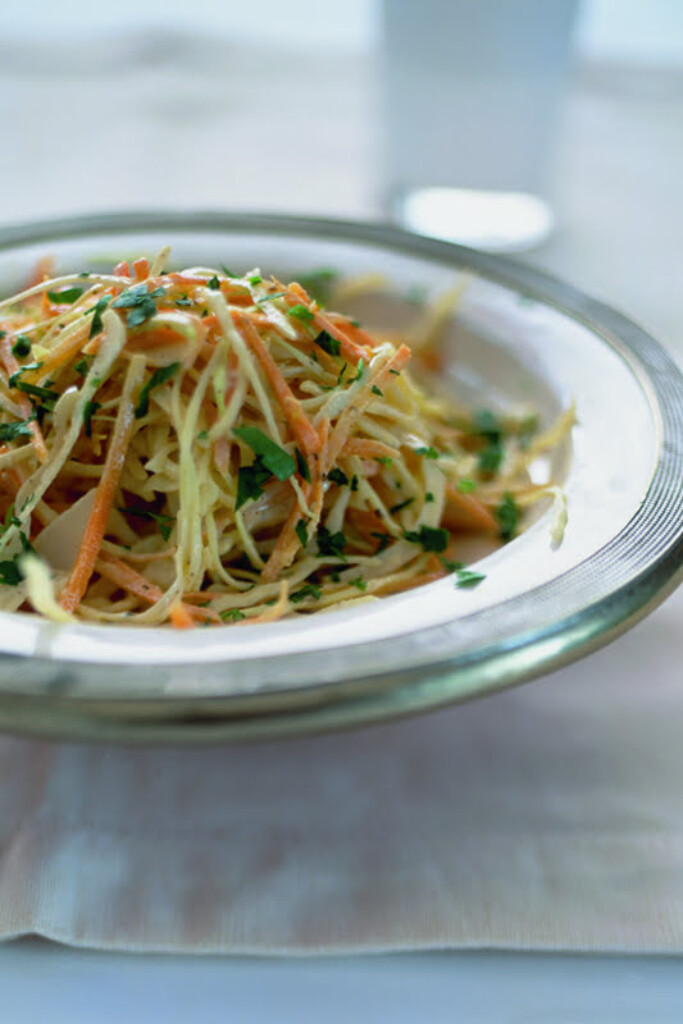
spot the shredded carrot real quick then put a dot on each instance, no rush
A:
(105, 494)
(141, 268)
(180, 617)
(302, 428)
(465, 512)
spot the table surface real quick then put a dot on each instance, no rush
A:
(618, 192)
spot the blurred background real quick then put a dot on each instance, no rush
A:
(324, 109)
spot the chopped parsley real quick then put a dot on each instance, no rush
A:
(354, 483)
(97, 311)
(401, 505)
(427, 451)
(184, 302)
(10, 574)
(203, 435)
(159, 377)
(384, 460)
(468, 577)
(89, 410)
(302, 313)
(82, 366)
(330, 545)
(429, 497)
(360, 372)
(232, 615)
(250, 481)
(308, 590)
(487, 426)
(65, 297)
(337, 476)
(359, 583)
(140, 302)
(11, 431)
(165, 523)
(302, 532)
(396, 373)
(214, 283)
(326, 342)
(466, 486)
(275, 459)
(376, 391)
(254, 279)
(507, 515)
(428, 537)
(21, 347)
(46, 395)
(270, 297)
(302, 466)
(384, 540)
(16, 376)
(228, 273)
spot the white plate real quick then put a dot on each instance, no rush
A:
(519, 338)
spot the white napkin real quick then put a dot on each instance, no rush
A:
(546, 817)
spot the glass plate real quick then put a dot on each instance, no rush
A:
(519, 339)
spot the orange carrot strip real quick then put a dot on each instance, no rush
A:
(122, 269)
(11, 366)
(465, 512)
(302, 428)
(116, 570)
(367, 448)
(141, 268)
(180, 616)
(105, 494)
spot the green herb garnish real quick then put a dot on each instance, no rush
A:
(139, 301)
(159, 377)
(466, 486)
(327, 343)
(468, 578)
(214, 283)
(337, 476)
(359, 583)
(507, 515)
(401, 505)
(308, 590)
(165, 523)
(250, 481)
(427, 451)
(428, 537)
(331, 544)
(274, 458)
(232, 615)
(302, 466)
(21, 347)
(65, 297)
(10, 574)
(89, 410)
(384, 540)
(82, 366)
(11, 431)
(376, 391)
(301, 312)
(302, 532)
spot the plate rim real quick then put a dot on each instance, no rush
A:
(59, 710)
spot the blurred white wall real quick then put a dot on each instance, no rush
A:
(646, 31)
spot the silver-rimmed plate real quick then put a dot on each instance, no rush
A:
(519, 339)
